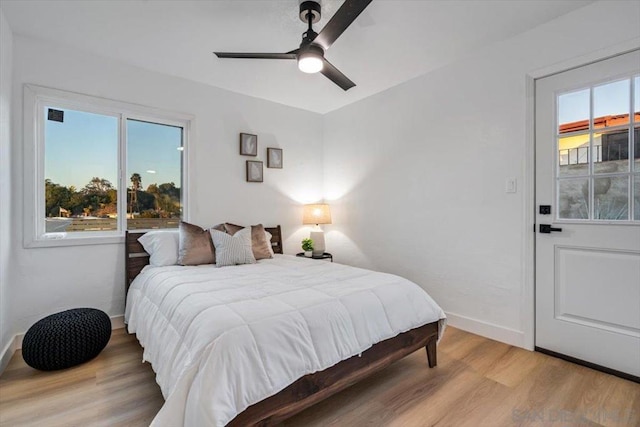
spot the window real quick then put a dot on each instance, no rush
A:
(99, 167)
(598, 152)
(154, 169)
(80, 170)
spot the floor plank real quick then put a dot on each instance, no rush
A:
(478, 382)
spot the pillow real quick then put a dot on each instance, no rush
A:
(260, 243)
(233, 250)
(232, 228)
(268, 236)
(219, 227)
(162, 246)
(195, 245)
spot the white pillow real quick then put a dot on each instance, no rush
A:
(162, 245)
(268, 235)
(233, 250)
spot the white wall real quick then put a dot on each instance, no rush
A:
(416, 175)
(47, 280)
(6, 54)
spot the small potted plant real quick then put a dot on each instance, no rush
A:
(307, 247)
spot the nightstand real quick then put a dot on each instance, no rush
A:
(325, 255)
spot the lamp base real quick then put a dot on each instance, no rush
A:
(318, 242)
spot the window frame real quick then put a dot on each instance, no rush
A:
(35, 99)
(590, 174)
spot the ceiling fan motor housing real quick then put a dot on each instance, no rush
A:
(311, 50)
(312, 8)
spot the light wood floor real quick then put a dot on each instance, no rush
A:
(478, 382)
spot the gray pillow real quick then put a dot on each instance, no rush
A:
(260, 240)
(233, 250)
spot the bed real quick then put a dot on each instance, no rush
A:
(249, 345)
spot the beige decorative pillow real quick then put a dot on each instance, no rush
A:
(260, 244)
(219, 227)
(195, 246)
(232, 228)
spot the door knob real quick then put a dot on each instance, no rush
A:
(547, 228)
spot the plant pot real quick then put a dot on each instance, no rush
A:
(308, 254)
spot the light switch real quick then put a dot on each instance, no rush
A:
(511, 185)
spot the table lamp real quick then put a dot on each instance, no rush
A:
(317, 214)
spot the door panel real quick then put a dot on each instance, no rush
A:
(588, 285)
(587, 169)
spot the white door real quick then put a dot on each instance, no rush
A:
(588, 173)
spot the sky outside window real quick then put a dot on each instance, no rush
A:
(153, 152)
(609, 99)
(85, 145)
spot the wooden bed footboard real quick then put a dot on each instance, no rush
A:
(315, 387)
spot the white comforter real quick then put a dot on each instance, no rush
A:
(222, 339)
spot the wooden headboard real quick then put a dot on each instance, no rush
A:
(136, 258)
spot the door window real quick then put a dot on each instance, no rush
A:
(597, 134)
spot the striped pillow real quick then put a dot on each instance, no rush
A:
(233, 250)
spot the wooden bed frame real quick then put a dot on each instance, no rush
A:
(311, 388)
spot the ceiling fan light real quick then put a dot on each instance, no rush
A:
(311, 59)
(310, 63)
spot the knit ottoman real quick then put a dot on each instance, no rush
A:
(66, 339)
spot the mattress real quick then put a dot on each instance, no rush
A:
(222, 339)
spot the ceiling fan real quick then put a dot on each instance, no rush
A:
(310, 54)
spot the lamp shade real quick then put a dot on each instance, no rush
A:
(316, 214)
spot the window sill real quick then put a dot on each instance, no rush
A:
(74, 241)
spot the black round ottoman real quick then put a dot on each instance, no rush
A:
(66, 339)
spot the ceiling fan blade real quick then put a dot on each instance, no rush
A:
(241, 55)
(340, 21)
(336, 76)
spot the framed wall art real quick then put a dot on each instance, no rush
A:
(254, 171)
(274, 158)
(248, 144)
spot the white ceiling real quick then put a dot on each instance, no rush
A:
(390, 43)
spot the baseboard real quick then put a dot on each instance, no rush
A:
(486, 329)
(7, 354)
(117, 322)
